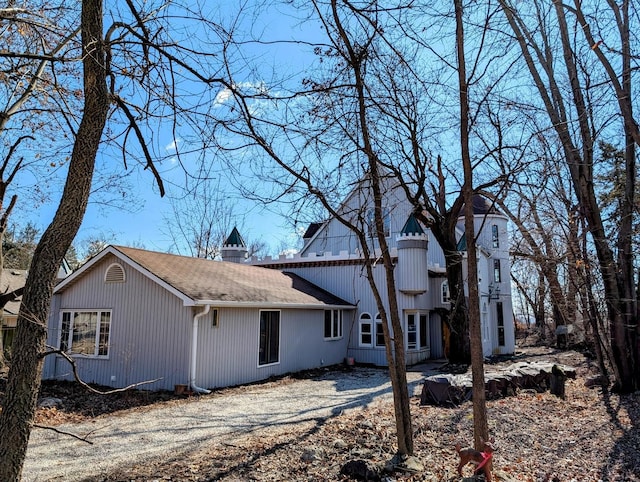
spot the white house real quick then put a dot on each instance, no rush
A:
(331, 259)
(131, 315)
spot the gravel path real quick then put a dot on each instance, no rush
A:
(119, 440)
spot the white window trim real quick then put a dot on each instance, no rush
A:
(368, 321)
(215, 318)
(279, 340)
(445, 299)
(378, 319)
(340, 328)
(99, 313)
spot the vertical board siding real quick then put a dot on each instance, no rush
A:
(149, 336)
(228, 354)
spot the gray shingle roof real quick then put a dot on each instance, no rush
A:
(219, 281)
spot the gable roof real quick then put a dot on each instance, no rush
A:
(10, 280)
(200, 281)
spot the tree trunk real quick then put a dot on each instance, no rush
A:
(460, 348)
(621, 308)
(29, 344)
(480, 423)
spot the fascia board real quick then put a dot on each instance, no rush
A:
(186, 300)
(263, 304)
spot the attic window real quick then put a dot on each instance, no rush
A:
(114, 274)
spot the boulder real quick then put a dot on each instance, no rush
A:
(360, 470)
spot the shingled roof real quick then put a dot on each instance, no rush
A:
(200, 281)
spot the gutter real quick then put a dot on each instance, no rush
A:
(194, 351)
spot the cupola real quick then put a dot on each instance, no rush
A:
(234, 248)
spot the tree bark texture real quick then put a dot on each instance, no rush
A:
(395, 354)
(23, 383)
(480, 422)
(617, 279)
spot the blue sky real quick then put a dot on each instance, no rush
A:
(144, 225)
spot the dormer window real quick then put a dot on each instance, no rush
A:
(114, 274)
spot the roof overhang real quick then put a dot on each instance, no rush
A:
(275, 304)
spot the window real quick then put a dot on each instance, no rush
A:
(332, 324)
(85, 332)
(379, 331)
(386, 222)
(500, 324)
(214, 318)
(366, 330)
(495, 238)
(269, 349)
(444, 292)
(412, 332)
(496, 271)
(424, 338)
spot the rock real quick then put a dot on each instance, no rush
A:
(50, 402)
(406, 463)
(595, 381)
(360, 470)
(339, 444)
(448, 389)
(311, 454)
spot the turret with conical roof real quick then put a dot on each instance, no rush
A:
(412, 258)
(234, 248)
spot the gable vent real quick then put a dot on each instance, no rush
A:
(114, 274)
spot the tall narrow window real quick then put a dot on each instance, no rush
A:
(412, 332)
(424, 327)
(444, 292)
(496, 271)
(65, 328)
(332, 324)
(500, 324)
(379, 331)
(366, 330)
(495, 238)
(269, 344)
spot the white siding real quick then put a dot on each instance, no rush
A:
(228, 354)
(150, 331)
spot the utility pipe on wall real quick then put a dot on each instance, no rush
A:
(194, 351)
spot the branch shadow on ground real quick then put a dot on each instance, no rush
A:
(624, 453)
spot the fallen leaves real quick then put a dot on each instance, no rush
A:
(590, 436)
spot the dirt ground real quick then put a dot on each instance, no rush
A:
(592, 435)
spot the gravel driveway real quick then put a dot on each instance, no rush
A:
(120, 440)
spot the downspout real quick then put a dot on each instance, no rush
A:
(194, 351)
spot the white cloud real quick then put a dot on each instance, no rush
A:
(173, 145)
(222, 97)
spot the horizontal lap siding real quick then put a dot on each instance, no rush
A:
(228, 354)
(150, 331)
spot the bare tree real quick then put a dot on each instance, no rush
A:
(201, 220)
(480, 421)
(134, 55)
(577, 99)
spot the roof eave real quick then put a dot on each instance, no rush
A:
(272, 304)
